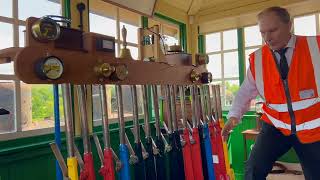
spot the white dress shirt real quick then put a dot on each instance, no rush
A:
(248, 89)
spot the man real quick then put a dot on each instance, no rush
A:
(285, 72)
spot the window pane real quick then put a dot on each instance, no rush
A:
(213, 42)
(248, 52)
(21, 35)
(7, 121)
(37, 106)
(252, 36)
(6, 35)
(231, 89)
(6, 8)
(231, 64)
(214, 66)
(102, 25)
(96, 102)
(38, 8)
(134, 52)
(230, 39)
(6, 68)
(305, 25)
(132, 32)
(169, 40)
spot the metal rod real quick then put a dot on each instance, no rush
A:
(156, 109)
(173, 107)
(146, 112)
(105, 119)
(168, 109)
(136, 126)
(193, 106)
(66, 92)
(215, 108)
(78, 157)
(120, 114)
(83, 118)
(202, 104)
(197, 106)
(183, 107)
(133, 158)
(59, 157)
(219, 109)
(99, 150)
(208, 95)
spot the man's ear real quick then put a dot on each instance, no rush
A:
(290, 26)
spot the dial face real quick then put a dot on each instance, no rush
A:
(46, 29)
(121, 72)
(52, 68)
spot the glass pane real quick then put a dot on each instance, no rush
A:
(248, 52)
(305, 25)
(127, 101)
(7, 121)
(6, 8)
(7, 68)
(230, 39)
(252, 36)
(102, 25)
(96, 102)
(214, 66)
(132, 32)
(231, 64)
(38, 8)
(213, 42)
(134, 52)
(38, 98)
(21, 35)
(169, 40)
(231, 89)
(6, 35)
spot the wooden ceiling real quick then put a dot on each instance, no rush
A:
(207, 7)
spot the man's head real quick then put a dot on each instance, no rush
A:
(275, 26)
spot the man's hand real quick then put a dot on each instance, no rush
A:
(227, 129)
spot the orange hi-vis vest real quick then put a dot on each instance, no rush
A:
(291, 105)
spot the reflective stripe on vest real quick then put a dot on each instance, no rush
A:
(304, 104)
(315, 56)
(259, 72)
(312, 124)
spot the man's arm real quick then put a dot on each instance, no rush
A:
(241, 103)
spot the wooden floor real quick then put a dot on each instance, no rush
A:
(285, 176)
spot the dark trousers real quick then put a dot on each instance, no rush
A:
(272, 144)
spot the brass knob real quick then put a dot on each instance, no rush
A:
(104, 69)
(194, 76)
(206, 77)
(202, 59)
(121, 72)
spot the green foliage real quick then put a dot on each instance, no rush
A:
(42, 102)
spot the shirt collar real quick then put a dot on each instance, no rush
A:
(292, 41)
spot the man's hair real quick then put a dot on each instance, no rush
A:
(282, 13)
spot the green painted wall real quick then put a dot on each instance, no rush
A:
(32, 159)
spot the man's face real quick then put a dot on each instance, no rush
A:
(274, 32)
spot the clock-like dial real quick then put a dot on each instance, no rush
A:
(49, 68)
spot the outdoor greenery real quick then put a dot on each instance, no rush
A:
(43, 102)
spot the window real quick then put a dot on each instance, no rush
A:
(169, 32)
(111, 24)
(305, 25)
(30, 106)
(222, 48)
(252, 42)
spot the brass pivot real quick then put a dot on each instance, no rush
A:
(194, 76)
(104, 69)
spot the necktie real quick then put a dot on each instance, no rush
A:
(284, 68)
